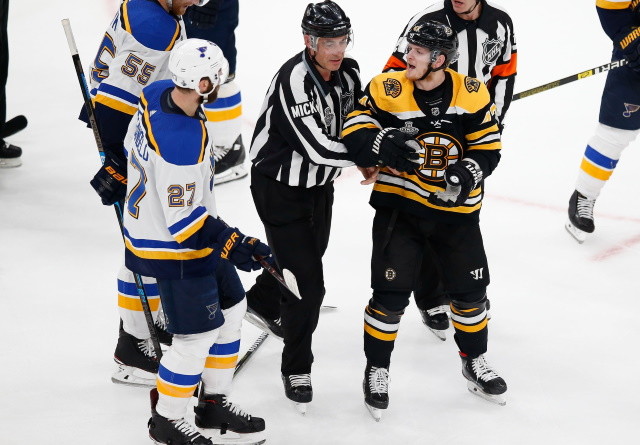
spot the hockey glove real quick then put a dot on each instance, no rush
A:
(397, 150)
(111, 180)
(461, 178)
(630, 46)
(203, 17)
(243, 251)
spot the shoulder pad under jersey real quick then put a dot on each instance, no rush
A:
(149, 24)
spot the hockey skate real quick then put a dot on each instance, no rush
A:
(10, 155)
(273, 327)
(580, 223)
(483, 381)
(376, 390)
(297, 388)
(436, 320)
(229, 164)
(137, 364)
(167, 431)
(226, 423)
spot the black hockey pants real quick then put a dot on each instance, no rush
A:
(297, 221)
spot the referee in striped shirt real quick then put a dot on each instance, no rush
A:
(296, 153)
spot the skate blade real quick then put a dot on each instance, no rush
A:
(300, 407)
(441, 334)
(576, 233)
(10, 162)
(498, 399)
(258, 323)
(237, 172)
(376, 413)
(128, 375)
(234, 438)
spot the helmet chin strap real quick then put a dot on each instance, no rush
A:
(471, 9)
(431, 69)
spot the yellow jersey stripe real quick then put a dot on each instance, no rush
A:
(147, 124)
(203, 147)
(175, 37)
(415, 197)
(164, 255)
(474, 328)
(115, 104)
(134, 304)
(224, 115)
(379, 335)
(125, 17)
(353, 128)
(608, 4)
(170, 390)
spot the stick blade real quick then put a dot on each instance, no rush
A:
(292, 283)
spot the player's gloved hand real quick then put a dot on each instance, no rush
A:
(397, 150)
(629, 42)
(244, 252)
(461, 178)
(203, 17)
(111, 180)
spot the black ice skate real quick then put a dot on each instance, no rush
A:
(10, 155)
(580, 222)
(230, 162)
(226, 422)
(173, 432)
(483, 381)
(137, 364)
(436, 320)
(297, 388)
(376, 390)
(273, 327)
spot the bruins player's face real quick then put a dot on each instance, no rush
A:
(418, 59)
(330, 52)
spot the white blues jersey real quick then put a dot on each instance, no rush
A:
(170, 213)
(297, 136)
(134, 52)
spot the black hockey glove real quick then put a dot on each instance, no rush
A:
(203, 17)
(397, 150)
(630, 45)
(243, 251)
(461, 178)
(111, 180)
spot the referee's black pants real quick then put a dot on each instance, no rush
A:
(297, 221)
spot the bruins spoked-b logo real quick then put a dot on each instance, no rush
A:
(472, 84)
(390, 274)
(440, 151)
(392, 87)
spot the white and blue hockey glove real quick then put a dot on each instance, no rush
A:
(461, 178)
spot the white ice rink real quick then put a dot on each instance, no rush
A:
(565, 323)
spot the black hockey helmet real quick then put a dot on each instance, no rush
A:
(436, 36)
(325, 19)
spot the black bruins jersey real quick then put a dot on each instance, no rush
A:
(454, 121)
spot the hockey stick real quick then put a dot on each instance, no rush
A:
(96, 134)
(247, 355)
(288, 280)
(556, 83)
(12, 126)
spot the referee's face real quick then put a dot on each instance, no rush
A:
(330, 51)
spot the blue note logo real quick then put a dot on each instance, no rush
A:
(203, 50)
(630, 108)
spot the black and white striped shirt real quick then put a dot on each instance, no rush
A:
(297, 136)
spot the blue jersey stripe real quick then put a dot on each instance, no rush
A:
(177, 379)
(225, 348)
(118, 92)
(225, 102)
(184, 222)
(127, 288)
(599, 159)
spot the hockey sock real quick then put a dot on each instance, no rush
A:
(470, 323)
(180, 370)
(217, 376)
(380, 332)
(601, 157)
(130, 306)
(224, 116)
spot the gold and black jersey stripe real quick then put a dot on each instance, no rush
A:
(460, 123)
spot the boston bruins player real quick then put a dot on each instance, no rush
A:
(436, 205)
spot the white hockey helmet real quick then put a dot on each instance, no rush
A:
(194, 59)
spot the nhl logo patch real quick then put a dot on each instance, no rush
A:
(472, 84)
(390, 274)
(392, 87)
(491, 51)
